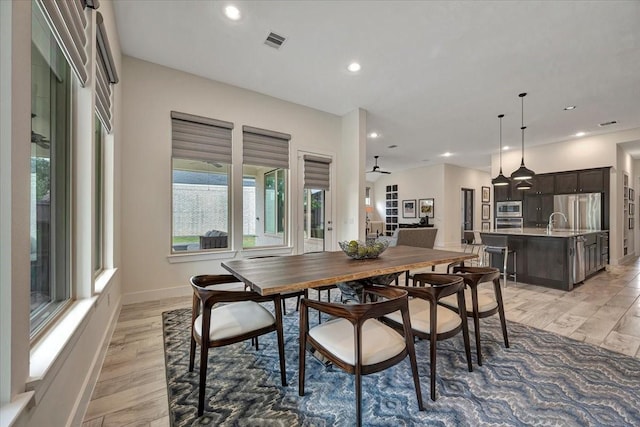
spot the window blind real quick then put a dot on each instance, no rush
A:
(105, 75)
(317, 172)
(200, 138)
(263, 147)
(68, 24)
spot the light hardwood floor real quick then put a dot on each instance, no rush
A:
(131, 389)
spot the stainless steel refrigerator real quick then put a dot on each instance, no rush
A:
(583, 211)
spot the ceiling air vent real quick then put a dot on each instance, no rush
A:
(612, 122)
(275, 40)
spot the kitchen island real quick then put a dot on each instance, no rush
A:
(558, 259)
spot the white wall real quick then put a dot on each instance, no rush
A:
(151, 92)
(443, 184)
(581, 153)
(419, 183)
(351, 184)
(455, 179)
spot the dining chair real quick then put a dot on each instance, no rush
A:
(356, 341)
(432, 321)
(239, 318)
(479, 306)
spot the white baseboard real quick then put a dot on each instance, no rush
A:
(627, 258)
(156, 294)
(82, 402)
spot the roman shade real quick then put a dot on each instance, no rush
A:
(200, 138)
(263, 147)
(316, 172)
(68, 23)
(105, 75)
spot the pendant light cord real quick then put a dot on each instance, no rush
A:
(500, 116)
(522, 126)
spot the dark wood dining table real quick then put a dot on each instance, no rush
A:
(273, 275)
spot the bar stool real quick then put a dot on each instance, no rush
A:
(480, 306)
(499, 245)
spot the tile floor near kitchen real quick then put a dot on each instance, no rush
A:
(131, 389)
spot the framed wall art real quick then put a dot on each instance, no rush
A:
(409, 208)
(426, 207)
(486, 212)
(486, 226)
(486, 195)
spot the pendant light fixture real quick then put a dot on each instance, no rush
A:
(524, 185)
(522, 173)
(500, 180)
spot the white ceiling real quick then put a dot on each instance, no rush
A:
(434, 76)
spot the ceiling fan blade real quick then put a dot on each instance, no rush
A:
(388, 173)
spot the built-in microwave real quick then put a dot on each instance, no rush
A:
(510, 209)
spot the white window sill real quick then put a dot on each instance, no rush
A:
(54, 347)
(104, 279)
(10, 412)
(283, 250)
(200, 256)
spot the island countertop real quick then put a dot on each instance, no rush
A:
(541, 232)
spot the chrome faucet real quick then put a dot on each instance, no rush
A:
(550, 225)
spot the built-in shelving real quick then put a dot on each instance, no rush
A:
(627, 223)
(391, 217)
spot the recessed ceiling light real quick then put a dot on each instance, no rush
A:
(505, 148)
(232, 13)
(393, 146)
(570, 107)
(581, 134)
(447, 154)
(373, 135)
(354, 67)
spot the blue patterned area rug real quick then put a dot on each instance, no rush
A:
(544, 379)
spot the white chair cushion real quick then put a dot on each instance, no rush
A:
(379, 341)
(420, 313)
(231, 320)
(485, 302)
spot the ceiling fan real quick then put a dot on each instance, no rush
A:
(376, 168)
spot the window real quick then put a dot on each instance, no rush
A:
(50, 174)
(265, 187)
(201, 176)
(367, 196)
(274, 201)
(98, 165)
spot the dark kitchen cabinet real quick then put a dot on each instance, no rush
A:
(542, 184)
(585, 181)
(537, 208)
(503, 193)
(566, 182)
(591, 181)
(592, 254)
(603, 246)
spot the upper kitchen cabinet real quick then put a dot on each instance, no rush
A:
(592, 181)
(566, 183)
(542, 184)
(507, 192)
(584, 181)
